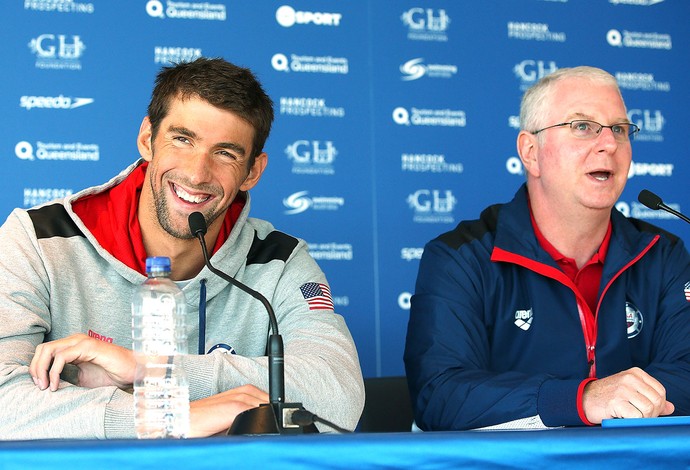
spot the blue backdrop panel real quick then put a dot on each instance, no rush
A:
(395, 120)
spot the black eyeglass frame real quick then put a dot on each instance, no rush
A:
(633, 128)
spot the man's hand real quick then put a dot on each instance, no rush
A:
(215, 414)
(100, 364)
(632, 393)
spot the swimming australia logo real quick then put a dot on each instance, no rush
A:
(523, 319)
(633, 318)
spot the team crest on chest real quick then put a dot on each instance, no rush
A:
(634, 320)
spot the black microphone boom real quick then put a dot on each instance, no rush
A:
(654, 202)
(275, 417)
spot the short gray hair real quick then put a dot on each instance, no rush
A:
(537, 99)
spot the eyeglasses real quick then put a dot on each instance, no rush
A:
(583, 129)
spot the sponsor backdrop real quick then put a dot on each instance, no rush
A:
(394, 119)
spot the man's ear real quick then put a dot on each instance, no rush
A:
(528, 150)
(255, 172)
(144, 140)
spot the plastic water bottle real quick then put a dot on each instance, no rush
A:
(161, 391)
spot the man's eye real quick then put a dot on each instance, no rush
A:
(182, 139)
(618, 129)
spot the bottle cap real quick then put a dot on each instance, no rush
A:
(157, 264)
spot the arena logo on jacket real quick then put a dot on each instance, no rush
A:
(523, 319)
(633, 318)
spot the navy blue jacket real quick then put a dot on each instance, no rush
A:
(495, 332)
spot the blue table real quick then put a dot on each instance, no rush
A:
(580, 448)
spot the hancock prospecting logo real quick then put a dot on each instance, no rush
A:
(55, 6)
(432, 205)
(533, 32)
(300, 202)
(36, 196)
(426, 24)
(428, 163)
(57, 51)
(286, 16)
(312, 157)
(415, 69)
(314, 107)
(175, 55)
(529, 71)
(186, 10)
(640, 81)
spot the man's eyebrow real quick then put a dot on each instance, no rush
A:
(193, 135)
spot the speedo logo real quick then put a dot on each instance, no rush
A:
(523, 319)
(52, 102)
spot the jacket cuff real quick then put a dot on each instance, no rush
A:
(559, 402)
(580, 409)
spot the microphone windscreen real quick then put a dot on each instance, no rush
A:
(197, 223)
(649, 199)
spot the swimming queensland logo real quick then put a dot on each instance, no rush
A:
(300, 202)
(415, 69)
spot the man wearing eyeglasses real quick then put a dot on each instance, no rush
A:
(554, 309)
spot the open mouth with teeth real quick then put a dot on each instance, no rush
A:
(189, 198)
(600, 175)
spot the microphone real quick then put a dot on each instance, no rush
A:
(654, 202)
(276, 417)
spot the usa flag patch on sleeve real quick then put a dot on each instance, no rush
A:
(317, 295)
(687, 291)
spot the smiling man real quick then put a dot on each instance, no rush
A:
(69, 269)
(554, 309)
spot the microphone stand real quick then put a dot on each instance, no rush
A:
(274, 417)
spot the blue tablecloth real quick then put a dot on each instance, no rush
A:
(581, 448)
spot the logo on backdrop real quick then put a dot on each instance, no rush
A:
(57, 51)
(639, 40)
(640, 81)
(175, 55)
(312, 157)
(331, 251)
(186, 10)
(52, 102)
(428, 163)
(404, 300)
(650, 122)
(310, 64)
(36, 196)
(313, 107)
(429, 117)
(415, 69)
(514, 166)
(650, 169)
(432, 205)
(533, 32)
(530, 71)
(286, 16)
(300, 201)
(640, 211)
(411, 253)
(53, 6)
(634, 320)
(57, 151)
(426, 24)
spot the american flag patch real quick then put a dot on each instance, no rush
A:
(317, 295)
(687, 291)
